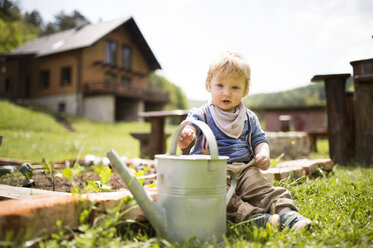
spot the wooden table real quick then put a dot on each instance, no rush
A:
(313, 135)
(156, 143)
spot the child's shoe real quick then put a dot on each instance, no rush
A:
(294, 221)
(261, 220)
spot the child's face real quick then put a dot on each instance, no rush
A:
(227, 92)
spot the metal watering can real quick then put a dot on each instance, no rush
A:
(192, 198)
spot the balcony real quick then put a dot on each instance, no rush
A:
(118, 89)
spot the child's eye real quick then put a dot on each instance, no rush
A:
(220, 85)
(235, 87)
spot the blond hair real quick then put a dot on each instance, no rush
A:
(229, 64)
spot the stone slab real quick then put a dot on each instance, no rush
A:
(297, 168)
(284, 173)
(325, 164)
(308, 165)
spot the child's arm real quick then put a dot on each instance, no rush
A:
(186, 136)
(262, 156)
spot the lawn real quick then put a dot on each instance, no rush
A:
(34, 134)
(340, 203)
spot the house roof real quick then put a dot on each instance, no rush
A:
(85, 36)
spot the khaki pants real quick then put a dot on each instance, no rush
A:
(254, 194)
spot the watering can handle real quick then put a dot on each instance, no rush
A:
(213, 147)
(232, 187)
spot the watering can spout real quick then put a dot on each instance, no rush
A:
(153, 212)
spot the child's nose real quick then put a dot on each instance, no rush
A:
(226, 92)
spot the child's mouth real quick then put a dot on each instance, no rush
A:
(226, 101)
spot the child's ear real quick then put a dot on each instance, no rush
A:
(208, 87)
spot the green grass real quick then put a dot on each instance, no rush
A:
(339, 204)
(322, 146)
(34, 134)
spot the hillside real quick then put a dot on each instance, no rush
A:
(196, 103)
(311, 95)
(177, 98)
(33, 133)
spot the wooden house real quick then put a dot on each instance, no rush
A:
(98, 71)
(300, 118)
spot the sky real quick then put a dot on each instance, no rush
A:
(286, 42)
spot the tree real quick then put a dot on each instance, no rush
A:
(9, 11)
(177, 98)
(64, 22)
(34, 18)
(14, 30)
(14, 34)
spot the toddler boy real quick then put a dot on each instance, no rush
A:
(240, 137)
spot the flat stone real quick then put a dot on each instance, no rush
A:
(308, 165)
(291, 172)
(325, 164)
(283, 173)
(297, 168)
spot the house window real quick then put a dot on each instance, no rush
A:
(61, 107)
(66, 75)
(126, 57)
(126, 81)
(110, 76)
(44, 79)
(111, 49)
(8, 86)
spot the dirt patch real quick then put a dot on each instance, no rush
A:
(62, 184)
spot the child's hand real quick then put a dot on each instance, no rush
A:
(263, 161)
(262, 156)
(186, 136)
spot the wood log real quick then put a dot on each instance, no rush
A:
(340, 130)
(363, 84)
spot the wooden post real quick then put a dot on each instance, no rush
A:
(351, 122)
(363, 83)
(157, 140)
(341, 138)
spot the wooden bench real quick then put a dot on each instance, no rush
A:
(157, 137)
(145, 143)
(313, 135)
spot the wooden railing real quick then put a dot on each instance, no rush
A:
(118, 89)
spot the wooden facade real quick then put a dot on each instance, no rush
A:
(299, 118)
(75, 77)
